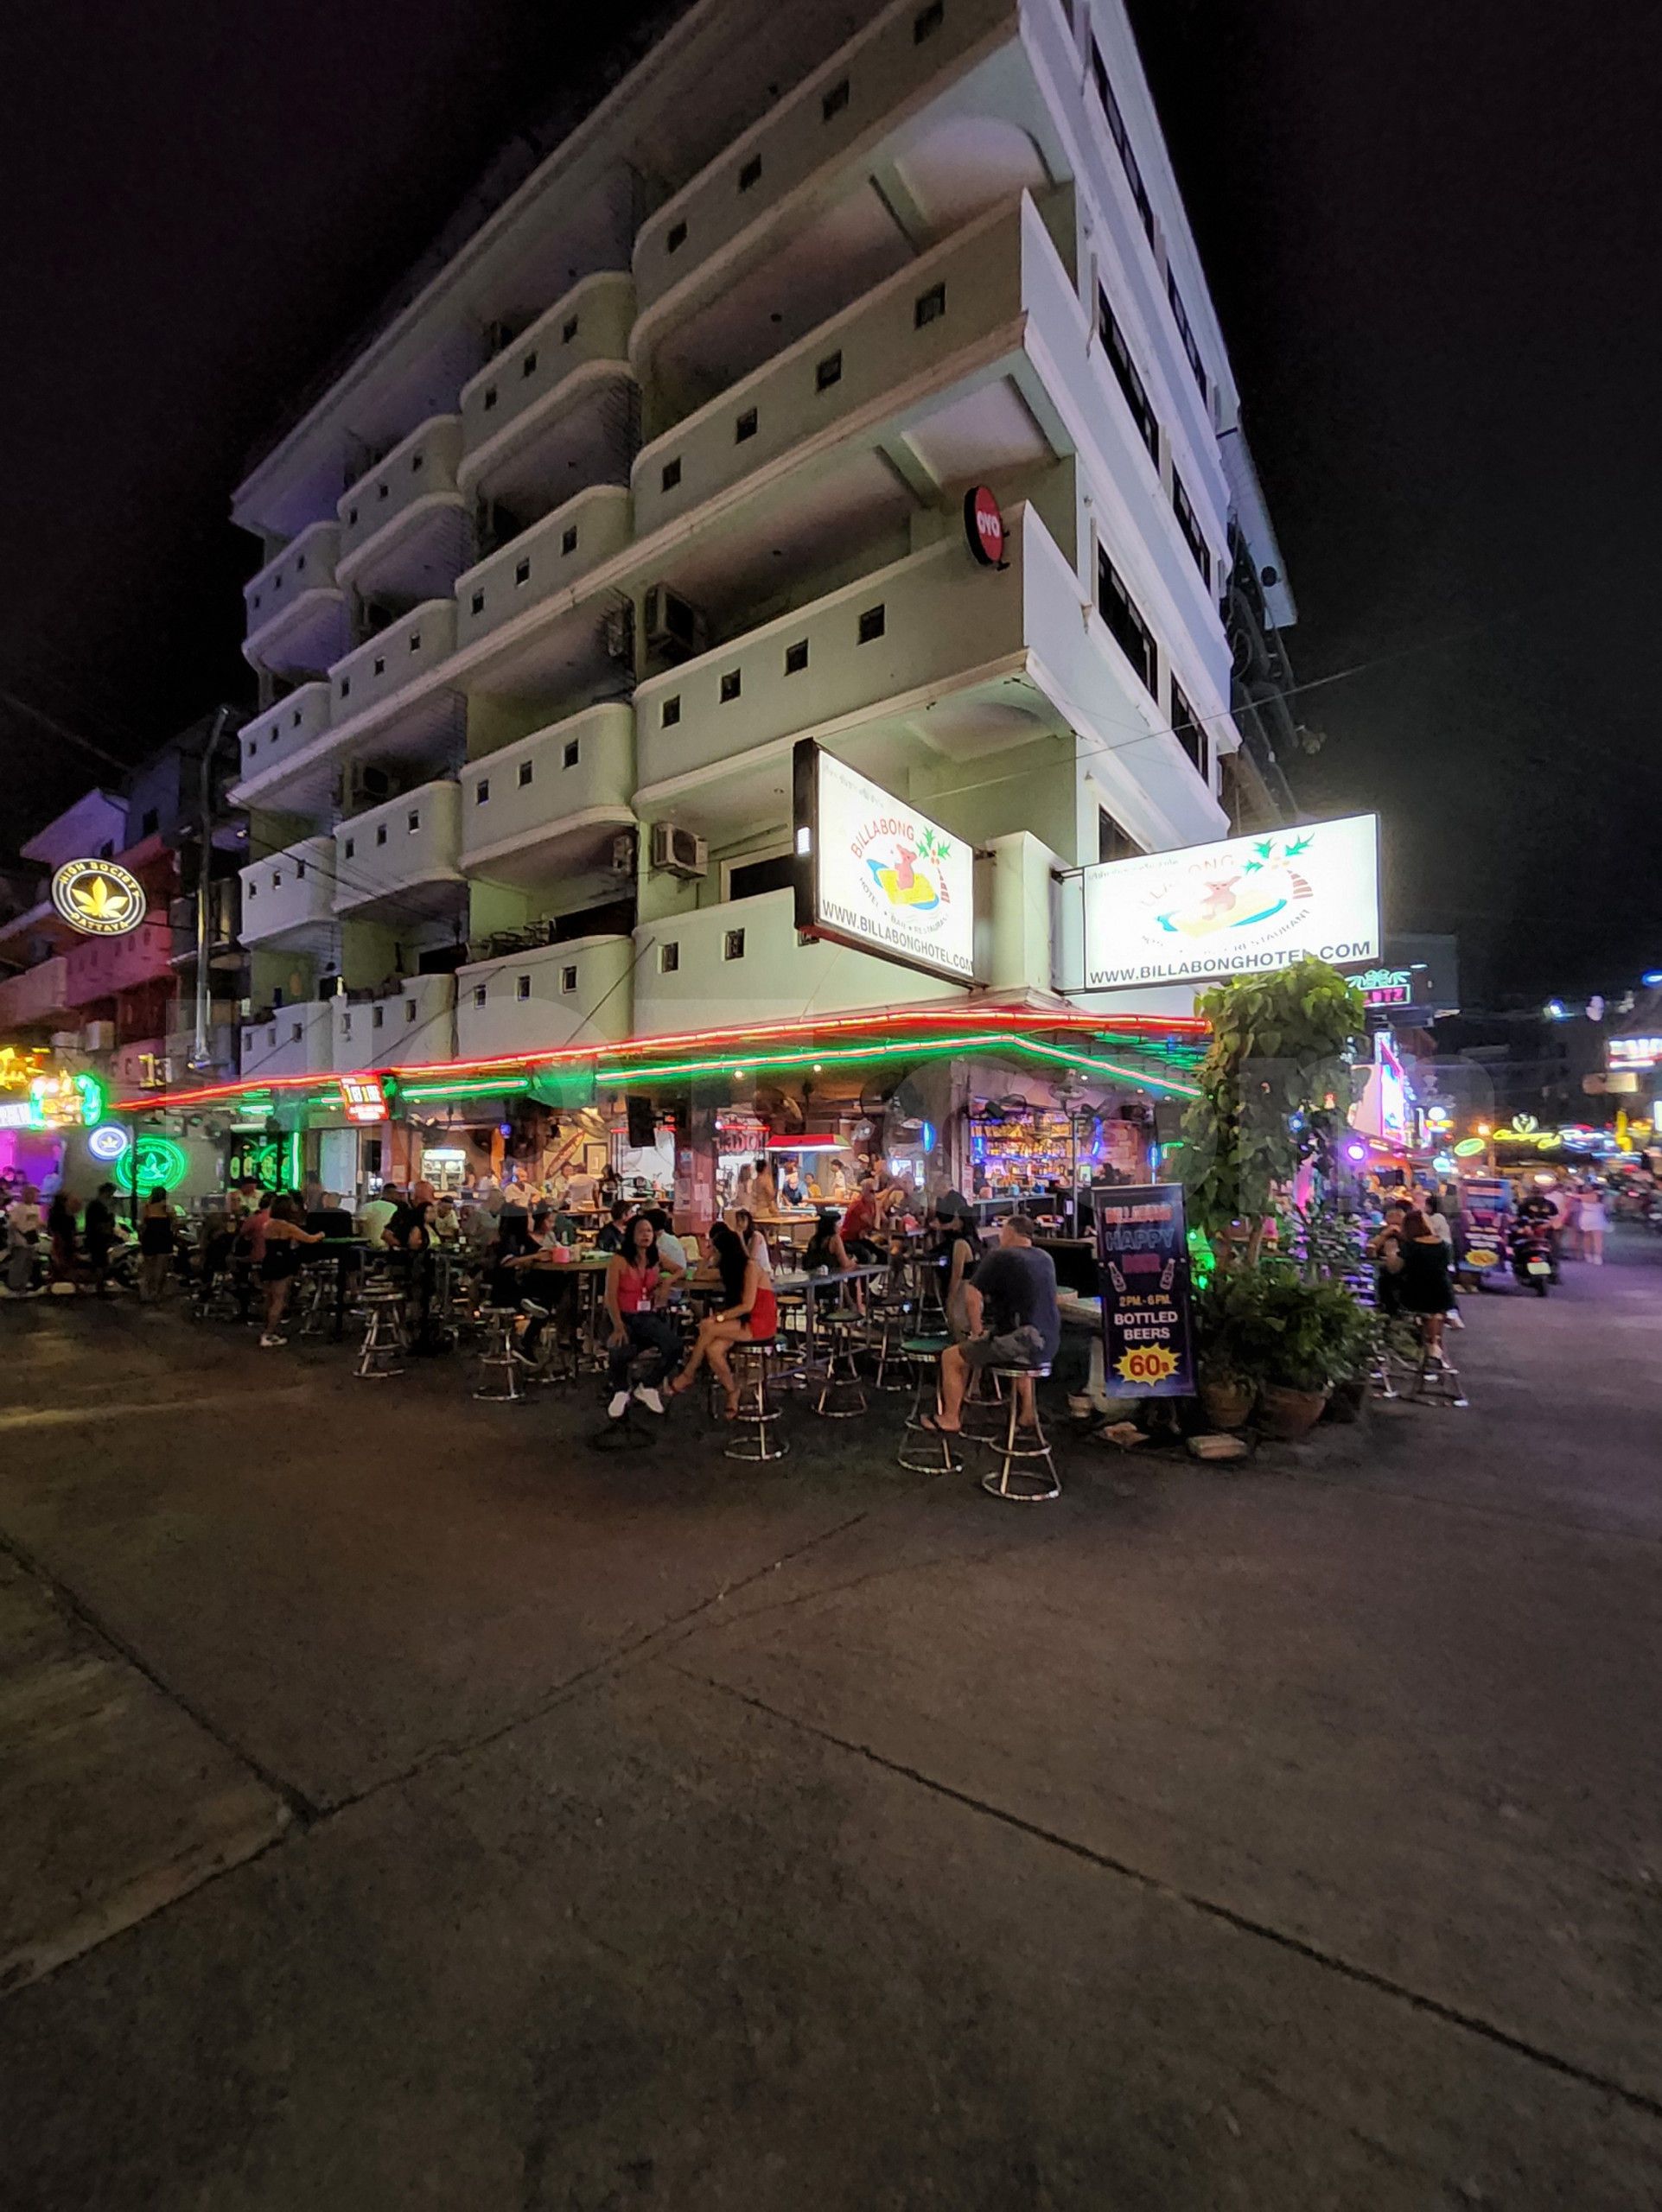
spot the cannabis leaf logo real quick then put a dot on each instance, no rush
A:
(99, 899)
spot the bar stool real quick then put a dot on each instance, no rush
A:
(841, 1377)
(1435, 1383)
(923, 1355)
(752, 1369)
(1018, 1477)
(498, 1358)
(884, 1331)
(985, 1404)
(315, 1303)
(384, 1341)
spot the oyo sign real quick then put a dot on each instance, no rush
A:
(984, 525)
(98, 897)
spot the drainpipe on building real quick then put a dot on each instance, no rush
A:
(202, 1056)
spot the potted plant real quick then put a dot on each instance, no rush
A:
(1312, 1333)
(1223, 1337)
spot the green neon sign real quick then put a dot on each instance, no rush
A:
(152, 1162)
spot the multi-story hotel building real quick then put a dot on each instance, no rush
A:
(665, 470)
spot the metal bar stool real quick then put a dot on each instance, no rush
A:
(384, 1341)
(1018, 1476)
(1436, 1383)
(840, 1379)
(753, 1370)
(985, 1406)
(499, 1358)
(935, 1456)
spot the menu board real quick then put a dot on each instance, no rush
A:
(1143, 1265)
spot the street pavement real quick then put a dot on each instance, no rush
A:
(406, 1806)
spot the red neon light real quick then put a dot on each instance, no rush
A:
(363, 1097)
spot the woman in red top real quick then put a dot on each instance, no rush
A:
(749, 1314)
(637, 1283)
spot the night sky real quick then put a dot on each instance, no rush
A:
(1432, 233)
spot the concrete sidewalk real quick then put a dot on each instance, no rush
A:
(666, 1832)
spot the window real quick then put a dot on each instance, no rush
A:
(834, 101)
(751, 172)
(381, 833)
(671, 474)
(828, 372)
(733, 945)
(1114, 843)
(929, 306)
(527, 772)
(573, 751)
(299, 559)
(1191, 346)
(489, 400)
(1122, 138)
(928, 21)
(295, 1034)
(479, 994)
(382, 489)
(413, 823)
(522, 987)
(669, 711)
(796, 658)
(568, 330)
(253, 891)
(346, 687)
(732, 684)
(872, 624)
(568, 540)
(1124, 369)
(415, 641)
(409, 1009)
(1190, 524)
(528, 366)
(482, 791)
(1131, 632)
(522, 571)
(300, 871)
(416, 459)
(1191, 733)
(253, 748)
(477, 603)
(352, 518)
(293, 719)
(568, 979)
(352, 848)
(675, 238)
(376, 1017)
(380, 663)
(745, 427)
(276, 879)
(346, 1025)
(669, 958)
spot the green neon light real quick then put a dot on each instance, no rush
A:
(94, 1099)
(152, 1161)
(936, 1048)
(482, 1087)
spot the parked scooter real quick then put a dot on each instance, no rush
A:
(1530, 1256)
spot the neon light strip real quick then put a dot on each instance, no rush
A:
(937, 1048)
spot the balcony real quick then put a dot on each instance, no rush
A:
(555, 995)
(742, 960)
(402, 859)
(98, 967)
(403, 524)
(285, 729)
(294, 1041)
(557, 410)
(35, 997)
(407, 649)
(288, 898)
(297, 609)
(550, 803)
(411, 1024)
(550, 557)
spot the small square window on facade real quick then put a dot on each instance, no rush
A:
(929, 306)
(675, 238)
(568, 540)
(293, 719)
(383, 491)
(413, 822)
(833, 101)
(415, 641)
(378, 1017)
(732, 685)
(489, 400)
(253, 748)
(352, 848)
(669, 711)
(415, 461)
(346, 1025)
(295, 1032)
(568, 979)
(381, 833)
(479, 994)
(828, 371)
(733, 945)
(477, 603)
(346, 687)
(299, 559)
(928, 21)
(872, 623)
(669, 958)
(522, 571)
(409, 1009)
(522, 987)
(528, 366)
(751, 172)
(300, 871)
(253, 891)
(482, 791)
(745, 427)
(573, 750)
(527, 772)
(796, 658)
(568, 330)
(671, 474)
(352, 518)
(380, 663)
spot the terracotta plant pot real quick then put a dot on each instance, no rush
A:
(1227, 1403)
(1286, 1415)
(1349, 1399)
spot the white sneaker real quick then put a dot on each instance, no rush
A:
(619, 1406)
(649, 1397)
(267, 1342)
(1454, 1320)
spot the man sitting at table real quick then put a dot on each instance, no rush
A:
(611, 1238)
(860, 1222)
(1014, 1322)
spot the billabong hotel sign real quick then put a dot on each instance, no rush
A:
(1243, 906)
(874, 873)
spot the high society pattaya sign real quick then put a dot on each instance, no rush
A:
(1240, 907)
(873, 871)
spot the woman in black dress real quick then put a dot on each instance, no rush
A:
(1424, 1286)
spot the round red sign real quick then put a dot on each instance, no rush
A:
(984, 525)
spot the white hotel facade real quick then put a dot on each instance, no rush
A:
(665, 470)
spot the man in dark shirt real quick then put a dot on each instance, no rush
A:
(611, 1237)
(1014, 1321)
(99, 1231)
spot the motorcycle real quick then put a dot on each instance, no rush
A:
(1530, 1256)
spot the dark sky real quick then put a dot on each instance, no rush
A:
(1433, 233)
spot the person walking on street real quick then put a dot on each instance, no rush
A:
(280, 1263)
(23, 1228)
(1592, 1221)
(156, 1243)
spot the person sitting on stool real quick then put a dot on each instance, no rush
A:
(1013, 1293)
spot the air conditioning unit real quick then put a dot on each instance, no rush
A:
(360, 785)
(97, 1037)
(621, 858)
(617, 635)
(677, 852)
(672, 627)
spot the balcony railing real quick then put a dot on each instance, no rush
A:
(419, 641)
(531, 803)
(551, 556)
(287, 897)
(411, 1024)
(35, 996)
(556, 994)
(285, 728)
(402, 856)
(296, 608)
(99, 967)
(403, 526)
(576, 350)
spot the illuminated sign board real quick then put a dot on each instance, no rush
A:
(1634, 1051)
(874, 873)
(1386, 987)
(363, 1097)
(1468, 1147)
(1242, 907)
(67, 1101)
(108, 1142)
(98, 897)
(984, 525)
(154, 1163)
